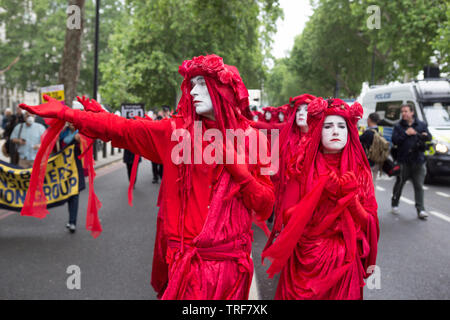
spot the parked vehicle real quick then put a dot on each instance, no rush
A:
(430, 99)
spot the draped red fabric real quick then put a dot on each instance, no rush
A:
(35, 204)
(207, 208)
(133, 179)
(94, 204)
(290, 140)
(329, 237)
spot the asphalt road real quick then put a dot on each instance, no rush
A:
(35, 254)
(413, 255)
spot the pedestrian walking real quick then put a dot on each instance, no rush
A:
(10, 147)
(330, 233)
(410, 136)
(27, 136)
(67, 137)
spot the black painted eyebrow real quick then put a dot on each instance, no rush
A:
(333, 122)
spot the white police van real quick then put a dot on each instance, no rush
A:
(430, 99)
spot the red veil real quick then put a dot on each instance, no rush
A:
(290, 137)
(324, 217)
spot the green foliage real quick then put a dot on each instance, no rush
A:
(337, 46)
(162, 33)
(442, 43)
(35, 31)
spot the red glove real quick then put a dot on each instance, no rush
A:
(348, 183)
(51, 109)
(90, 105)
(239, 172)
(332, 184)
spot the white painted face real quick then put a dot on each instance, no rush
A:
(334, 134)
(268, 115)
(255, 118)
(301, 114)
(201, 98)
(281, 116)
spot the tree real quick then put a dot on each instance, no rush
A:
(34, 33)
(333, 55)
(69, 70)
(162, 33)
(404, 42)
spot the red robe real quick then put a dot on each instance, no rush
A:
(214, 262)
(331, 229)
(321, 266)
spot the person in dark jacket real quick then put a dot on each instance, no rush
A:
(366, 140)
(410, 135)
(67, 137)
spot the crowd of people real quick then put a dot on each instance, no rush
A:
(325, 227)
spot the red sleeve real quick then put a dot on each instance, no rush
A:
(258, 195)
(144, 137)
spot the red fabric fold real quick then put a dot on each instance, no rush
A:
(280, 251)
(94, 204)
(35, 204)
(133, 179)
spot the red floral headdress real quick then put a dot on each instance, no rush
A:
(353, 156)
(301, 99)
(212, 66)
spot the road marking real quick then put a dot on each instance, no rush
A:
(440, 215)
(7, 214)
(442, 194)
(254, 291)
(380, 188)
(425, 188)
(407, 200)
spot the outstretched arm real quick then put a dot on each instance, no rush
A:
(143, 137)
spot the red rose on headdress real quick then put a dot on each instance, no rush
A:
(316, 107)
(356, 111)
(213, 64)
(183, 69)
(225, 76)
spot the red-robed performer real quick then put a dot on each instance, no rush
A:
(208, 208)
(330, 233)
(291, 133)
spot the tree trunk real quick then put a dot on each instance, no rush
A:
(69, 70)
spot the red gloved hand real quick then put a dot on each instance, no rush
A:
(332, 184)
(51, 109)
(90, 104)
(239, 172)
(348, 183)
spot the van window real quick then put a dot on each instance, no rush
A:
(389, 110)
(437, 114)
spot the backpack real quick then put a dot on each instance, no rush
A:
(379, 150)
